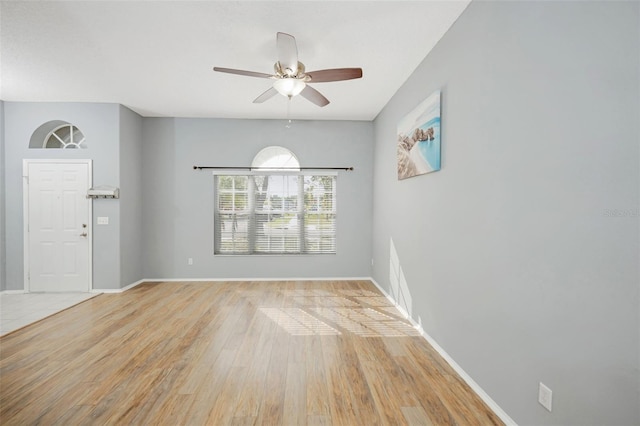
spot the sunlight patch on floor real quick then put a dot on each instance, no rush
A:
(366, 322)
(320, 312)
(298, 322)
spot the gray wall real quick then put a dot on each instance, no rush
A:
(100, 124)
(515, 258)
(131, 197)
(178, 201)
(165, 213)
(2, 203)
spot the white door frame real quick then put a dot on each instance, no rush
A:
(25, 214)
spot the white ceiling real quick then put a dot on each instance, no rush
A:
(156, 57)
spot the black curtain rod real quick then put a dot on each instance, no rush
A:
(271, 168)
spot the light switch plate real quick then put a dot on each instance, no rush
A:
(103, 220)
(545, 396)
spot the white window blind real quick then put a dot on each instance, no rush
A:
(275, 214)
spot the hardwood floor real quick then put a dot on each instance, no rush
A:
(235, 353)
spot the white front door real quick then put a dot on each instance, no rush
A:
(58, 224)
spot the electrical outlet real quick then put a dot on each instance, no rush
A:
(190, 261)
(544, 396)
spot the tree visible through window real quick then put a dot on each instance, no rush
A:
(275, 213)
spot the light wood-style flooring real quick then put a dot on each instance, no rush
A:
(231, 353)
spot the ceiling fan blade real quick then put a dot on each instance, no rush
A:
(270, 93)
(314, 96)
(287, 53)
(243, 72)
(336, 74)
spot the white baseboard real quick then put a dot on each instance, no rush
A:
(118, 290)
(169, 280)
(463, 374)
(11, 292)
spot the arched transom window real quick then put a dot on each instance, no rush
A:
(57, 134)
(275, 158)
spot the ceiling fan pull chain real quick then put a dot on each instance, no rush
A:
(288, 125)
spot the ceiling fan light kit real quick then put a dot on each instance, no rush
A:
(289, 86)
(290, 76)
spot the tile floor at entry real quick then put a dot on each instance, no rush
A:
(20, 309)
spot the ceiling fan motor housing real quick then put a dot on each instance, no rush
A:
(289, 73)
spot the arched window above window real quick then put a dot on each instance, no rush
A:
(275, 158)
(57, 134)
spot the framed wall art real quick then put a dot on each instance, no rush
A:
(419, 139)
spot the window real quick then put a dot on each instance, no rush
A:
(57, 134)
(276, 212)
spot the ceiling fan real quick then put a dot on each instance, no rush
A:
(290, 76)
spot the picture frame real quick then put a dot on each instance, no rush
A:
(418, 139)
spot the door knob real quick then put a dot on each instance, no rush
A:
(84, 234)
